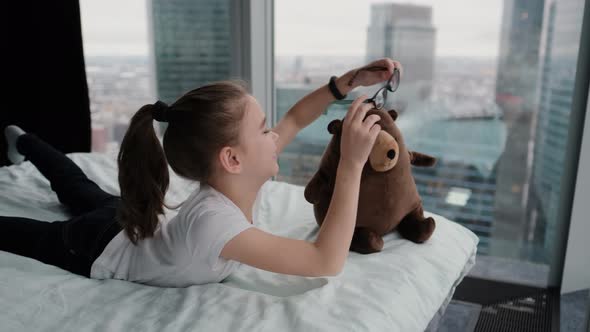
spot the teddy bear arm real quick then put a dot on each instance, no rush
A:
(312, 189)
(318, 187)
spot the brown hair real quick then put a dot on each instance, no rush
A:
(200, 123)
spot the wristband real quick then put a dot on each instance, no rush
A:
(334, 89)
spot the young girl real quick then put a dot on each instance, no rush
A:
(216, 135)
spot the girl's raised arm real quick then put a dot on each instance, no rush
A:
(310, 107)
(327, 255)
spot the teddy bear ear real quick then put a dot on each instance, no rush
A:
(393, 114)
(334, 127)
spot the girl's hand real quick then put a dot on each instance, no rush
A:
(375, 72)
(358, 136)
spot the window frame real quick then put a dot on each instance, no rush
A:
(253, 50)
(568, 266)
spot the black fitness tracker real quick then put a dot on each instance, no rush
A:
(334, 89)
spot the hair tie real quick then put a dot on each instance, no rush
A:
(160, 111)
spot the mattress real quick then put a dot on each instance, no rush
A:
(405, 287)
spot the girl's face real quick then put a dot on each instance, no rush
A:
(258, 143)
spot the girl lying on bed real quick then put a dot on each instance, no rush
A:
(216, 135)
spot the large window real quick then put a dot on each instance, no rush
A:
(487, 90)
(118, 68)
(149, 50)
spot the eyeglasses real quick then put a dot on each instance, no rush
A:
(380, 97)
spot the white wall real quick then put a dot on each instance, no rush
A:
(576, 269)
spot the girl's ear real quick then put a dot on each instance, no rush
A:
(229, 160)
(393, 114)
(334, 127)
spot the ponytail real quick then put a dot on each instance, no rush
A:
(143, 177)
(200, 123)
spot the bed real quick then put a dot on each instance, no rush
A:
(406, 287)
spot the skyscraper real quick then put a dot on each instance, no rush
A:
(516, 86)
(405, 33)
(560, 47)
(519, 51)
(191, 44)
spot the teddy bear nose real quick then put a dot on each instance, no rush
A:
(391, 154)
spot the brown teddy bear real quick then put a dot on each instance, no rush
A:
(388, 198)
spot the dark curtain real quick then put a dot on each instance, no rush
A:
(42, 59)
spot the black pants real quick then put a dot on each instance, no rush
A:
(73, 244)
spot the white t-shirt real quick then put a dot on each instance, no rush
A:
(183, 251)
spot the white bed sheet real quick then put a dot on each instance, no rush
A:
(400, 289)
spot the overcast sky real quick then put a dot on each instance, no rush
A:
(335, 27)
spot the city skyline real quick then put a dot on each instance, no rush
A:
(127, 31)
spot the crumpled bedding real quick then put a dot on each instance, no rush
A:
(401, 288)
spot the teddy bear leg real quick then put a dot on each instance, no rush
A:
(365, 241)
(415, 227)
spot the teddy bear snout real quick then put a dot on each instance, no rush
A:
(385, 152)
